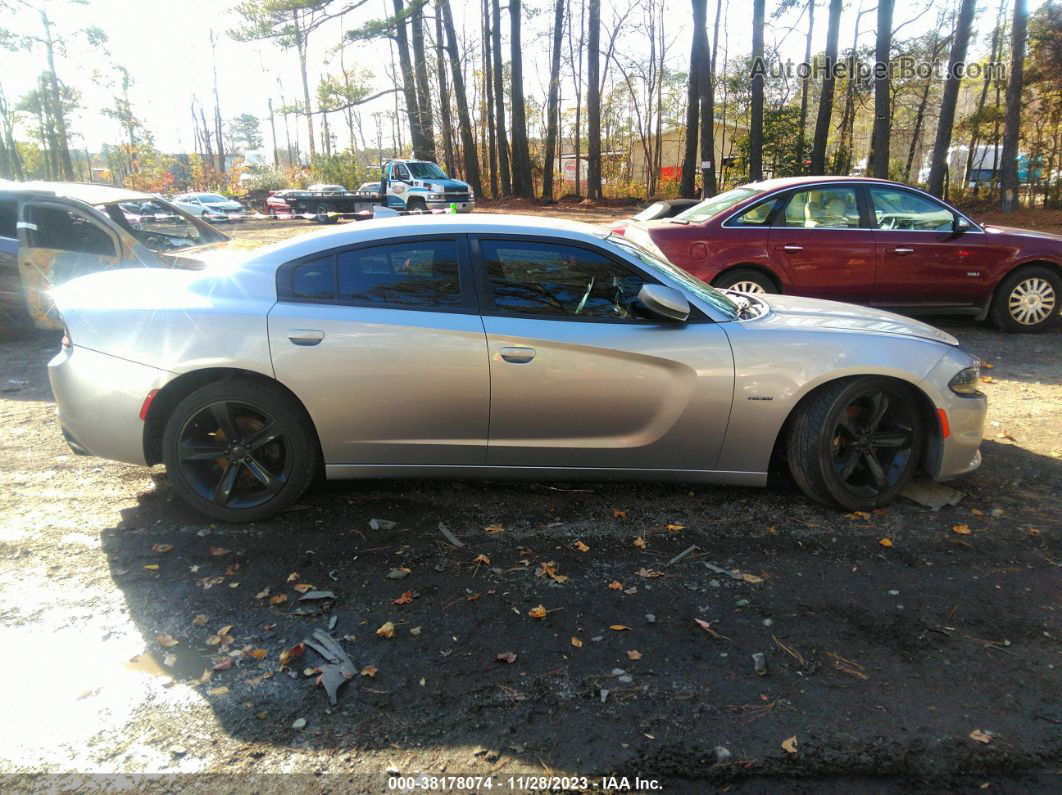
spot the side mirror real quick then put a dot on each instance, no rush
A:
(664, 302)
(960, 225)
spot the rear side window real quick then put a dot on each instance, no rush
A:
(8, 215)
(64, 230)
(314, 280)
(417, 274)
(758, 215)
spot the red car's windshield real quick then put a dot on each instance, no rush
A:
(716, 204)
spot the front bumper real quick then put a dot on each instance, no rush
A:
(462, 207)
(98, 399)
(960, 451)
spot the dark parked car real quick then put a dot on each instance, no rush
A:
(865, 241)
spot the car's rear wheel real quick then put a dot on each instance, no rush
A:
(416, 205)
(239, 450)
(855, 443)
(746, 280)
(321, 215)
(1028, 300)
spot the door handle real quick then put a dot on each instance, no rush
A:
(517, 354)
(791, 247)
(903, 251)
(305, 336)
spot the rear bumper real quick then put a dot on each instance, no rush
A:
(98, 400)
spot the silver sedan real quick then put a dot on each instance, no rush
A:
(497, 347)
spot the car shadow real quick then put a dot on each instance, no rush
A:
(574, 628)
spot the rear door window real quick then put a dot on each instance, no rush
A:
(62, 229)
(8, 219)
(422, 274)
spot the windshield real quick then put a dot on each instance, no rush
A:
(715, 297)
(212, 198)
(160, 227)
(717, 204)
(426, 171)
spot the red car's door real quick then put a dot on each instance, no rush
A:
(921, 260)
(820, 241)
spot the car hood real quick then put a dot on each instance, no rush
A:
(225, 206)
(992, 229)
(444, 185)
(791, 312)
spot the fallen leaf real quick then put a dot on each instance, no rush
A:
(961, 529)
(414, 631)
(707, 627)
(232, 569)
(303, 587)
(152, 567)
(506, 657)
(167, 640)
(162, 548)
(200, 620)
(399, 573)
(981, 736)
(619, 628)
(386, 630)
(639, 542)
(618, 514)
(549, 569)
(634, 654)
(370, 671)
(278, 599)
(886, 542)
(294, 576)
(857, 515)
(491, 529)
(404, 599)
(751, 578)
(537, 612)
(205, 677)
(209, 582)
(217, 552)
(472, 597)
(977, 512)
(674, 528)
(644, 572)
(288, 655)
(262, 594)
(218, 691)
(581, 546)
(986, 379)
(576, 642)
(259, 654)
(299, 723)
(615, 585)
(234, 585)
(169, 660)
(481, 559)
(223, 664)
(311, 671)
(790, 745)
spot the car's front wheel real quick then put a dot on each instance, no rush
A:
(855, 443)
(239, 450)
(1028, 300)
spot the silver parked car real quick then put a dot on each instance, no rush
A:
(498, 346)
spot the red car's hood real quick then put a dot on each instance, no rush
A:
(790, 311)
(992, 229)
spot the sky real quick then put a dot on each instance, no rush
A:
(166, 46)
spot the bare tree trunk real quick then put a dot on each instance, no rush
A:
(825, 113)
(687, 186)
(593, 102)
(488, 102)
(707, 92)
(522, 185)
(1008, 201)
(300, 46)
(273, 130)
(409, 87)
(879, 139)
(66, 165)
(218, 132)
(939, 166)
(420, 71)
(468, 141)
(553, 103)
(756, 122)
(444, 99)
(499, 101)
(804, 85)
(975, 133)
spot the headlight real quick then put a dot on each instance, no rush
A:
(965, 381)
(471, 194)
(435, 196)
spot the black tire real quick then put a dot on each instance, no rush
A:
(741, 279)
(1028, 300)
(321, 215)
(416, 205)
(261, 466)
(834, 431)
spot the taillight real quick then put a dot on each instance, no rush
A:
(146, 407)
(67, 342)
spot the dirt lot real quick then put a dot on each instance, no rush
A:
(931, 662)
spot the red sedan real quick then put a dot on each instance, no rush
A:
(864, 241)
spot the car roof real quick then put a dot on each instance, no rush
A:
(788, 182)
(411, 225)
(88, 192)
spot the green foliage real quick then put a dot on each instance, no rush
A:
(342, 169)
(244, 132)
(781, 131)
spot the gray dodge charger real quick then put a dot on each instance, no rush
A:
(497, 347)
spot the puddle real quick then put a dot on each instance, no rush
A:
(187, 664)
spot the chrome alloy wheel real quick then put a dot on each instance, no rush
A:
(1031, 301)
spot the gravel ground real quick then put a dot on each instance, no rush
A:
(931, 663)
